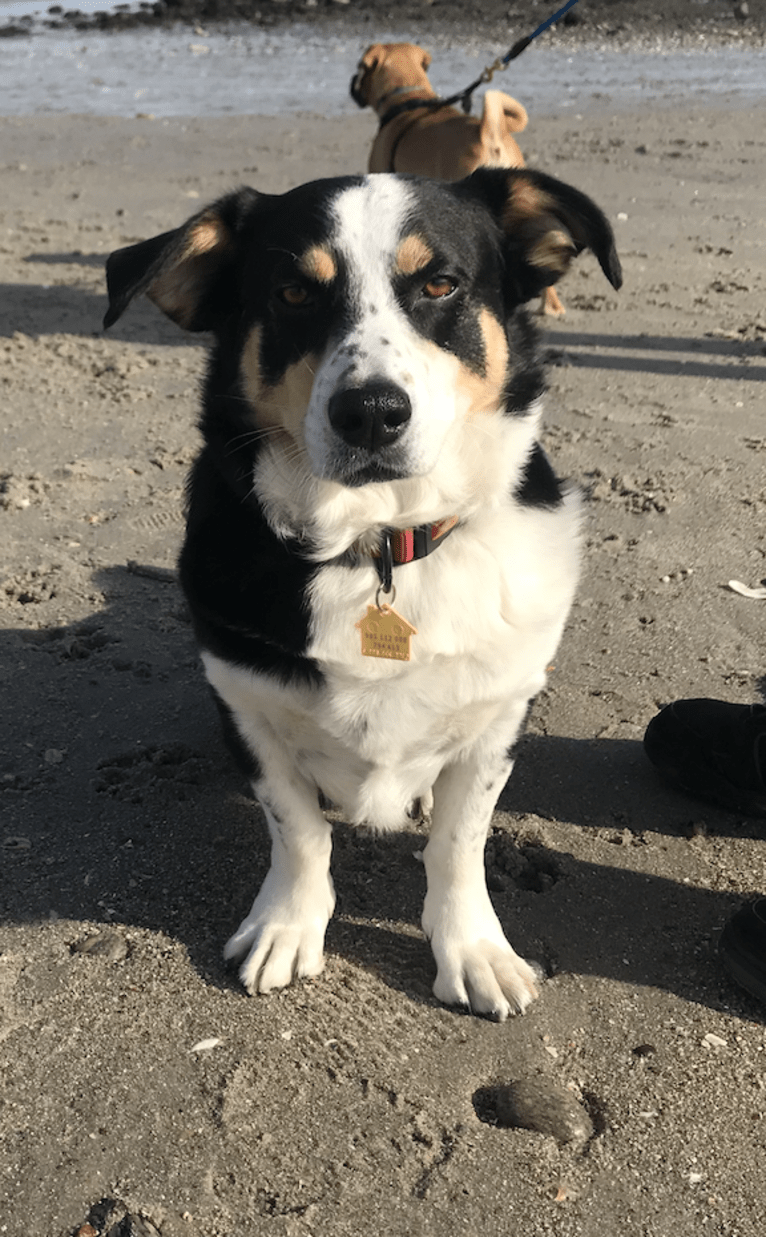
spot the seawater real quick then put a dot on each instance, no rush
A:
(242, 70)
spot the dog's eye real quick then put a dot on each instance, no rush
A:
(439, 287)
(294, 295)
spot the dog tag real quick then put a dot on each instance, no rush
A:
(385, 633)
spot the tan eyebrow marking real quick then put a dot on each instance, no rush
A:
(319, 264)
(413, 254)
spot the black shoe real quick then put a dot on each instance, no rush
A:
(713, 750)
(743, 947)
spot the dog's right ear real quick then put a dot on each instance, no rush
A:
(545, 224)
(370, 60)
(185, 272)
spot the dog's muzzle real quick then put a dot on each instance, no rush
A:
(372, 417)
(356, 85)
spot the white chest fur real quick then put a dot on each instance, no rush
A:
(489, 607)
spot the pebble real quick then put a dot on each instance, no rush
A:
(683, 574)
(544, 1106)
(205, 1045)
(106, 944)
(711, 1040)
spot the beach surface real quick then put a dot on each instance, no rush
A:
(143, 1092)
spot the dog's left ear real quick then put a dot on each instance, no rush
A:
(545, 224)
(187, 272)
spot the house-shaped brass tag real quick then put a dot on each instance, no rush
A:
(385, 634)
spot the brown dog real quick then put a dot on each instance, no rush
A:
(441, 142)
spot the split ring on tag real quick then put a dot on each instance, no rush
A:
(391, 592)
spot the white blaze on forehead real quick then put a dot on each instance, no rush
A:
(378, 341)
(370, 221)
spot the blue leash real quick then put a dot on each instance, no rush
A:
(518, 48)
(464, 96)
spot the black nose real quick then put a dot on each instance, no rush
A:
(371, 416)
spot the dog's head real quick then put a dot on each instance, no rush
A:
(387, 67)
(359, 320)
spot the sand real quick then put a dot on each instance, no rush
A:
(143, 1092)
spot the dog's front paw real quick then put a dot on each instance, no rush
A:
(491, 980)
(477, 968)
(282, 938)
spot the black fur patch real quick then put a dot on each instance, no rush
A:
(526, 382)
(539, 486)
(246, 588)
(466, 249)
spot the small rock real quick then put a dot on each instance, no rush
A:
(205, 1045)
(544, 1106)
(107, 944)
(16, 843)
(712, 1040)
(53, 756)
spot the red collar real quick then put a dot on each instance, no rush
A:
(404, 545)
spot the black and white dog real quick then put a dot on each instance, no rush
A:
(379, 558)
